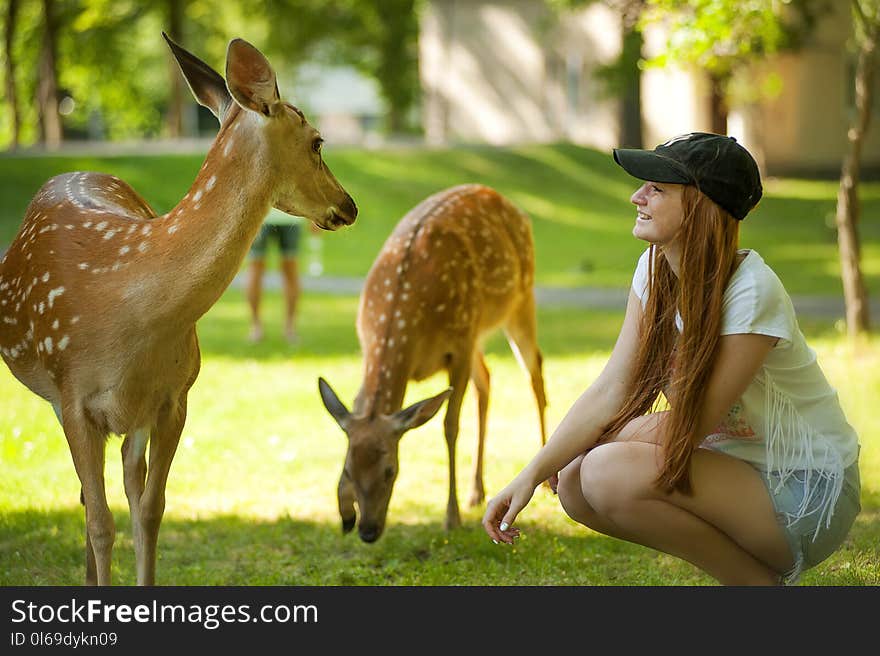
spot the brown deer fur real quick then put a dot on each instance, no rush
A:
(99, 296)
(456, 267)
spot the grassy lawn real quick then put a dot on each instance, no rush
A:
(251, 497)
(577, 197)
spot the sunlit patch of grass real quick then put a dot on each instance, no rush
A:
(251, 496)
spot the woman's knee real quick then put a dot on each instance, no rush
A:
(569, 488)
(614, 475)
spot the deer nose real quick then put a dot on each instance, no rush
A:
(348, 211)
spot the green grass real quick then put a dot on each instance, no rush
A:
(578, 198)
(251, 496)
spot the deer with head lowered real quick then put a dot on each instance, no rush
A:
(457, 266)
(99, 296)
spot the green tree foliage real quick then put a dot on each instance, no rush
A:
(114, 65)
(724, 37)
(377, 37)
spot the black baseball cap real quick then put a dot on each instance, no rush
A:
(716, 164)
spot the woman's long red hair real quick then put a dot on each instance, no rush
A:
(709, 237)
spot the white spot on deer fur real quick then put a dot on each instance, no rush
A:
(83, 266)
(142, 247)
(229, 144)
(124, 250)
(46, 277)
(197, 196)
(401, 323)
(382, 318)
(146, 230)
(53, 294)
(389, 296)
(109, 234)
(101, 225)
(211, 182)
(87, 224)
(48, 343)
(441, 307)
(387, 281)
(55, 324)
(172, 229)
(41, 307)
(63, 342)
(74, 320)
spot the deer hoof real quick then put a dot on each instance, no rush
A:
(348, 524)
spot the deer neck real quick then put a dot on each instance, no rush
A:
(210, 231)
(384, 382)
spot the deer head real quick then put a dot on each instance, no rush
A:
(290, 148)
(371, 465)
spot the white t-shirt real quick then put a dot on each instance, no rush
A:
(789, 418)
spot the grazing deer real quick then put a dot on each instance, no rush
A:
(457, 266)
(99, 296)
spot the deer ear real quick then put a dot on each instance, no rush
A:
(418, 413)
(205, 83)
(250, 78)
(334, 406)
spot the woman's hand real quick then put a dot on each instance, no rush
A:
(502, 510)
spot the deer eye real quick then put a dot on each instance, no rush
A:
(316, 145)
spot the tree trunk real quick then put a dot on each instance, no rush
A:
(396, 60)
(718, 105)
(174, 119)
(11, 88)
(47, 87)
(631, 94)
(854, 292)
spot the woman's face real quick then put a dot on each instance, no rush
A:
(659, 212)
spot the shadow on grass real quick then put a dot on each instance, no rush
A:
(46, 548)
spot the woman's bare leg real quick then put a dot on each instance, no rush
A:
(727, 528)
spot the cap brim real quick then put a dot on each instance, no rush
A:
(648, 165)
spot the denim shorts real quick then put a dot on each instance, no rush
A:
(810, 542)
(287, 235)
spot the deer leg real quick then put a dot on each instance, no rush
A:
(458, 379)
(163, 445)
(522, 335)
(91, 570)
(134, 467)
(480, 376)
(87, 450)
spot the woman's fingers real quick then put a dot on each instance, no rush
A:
(498, 520)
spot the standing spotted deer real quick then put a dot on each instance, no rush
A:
(99, 296)
(457, 266)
